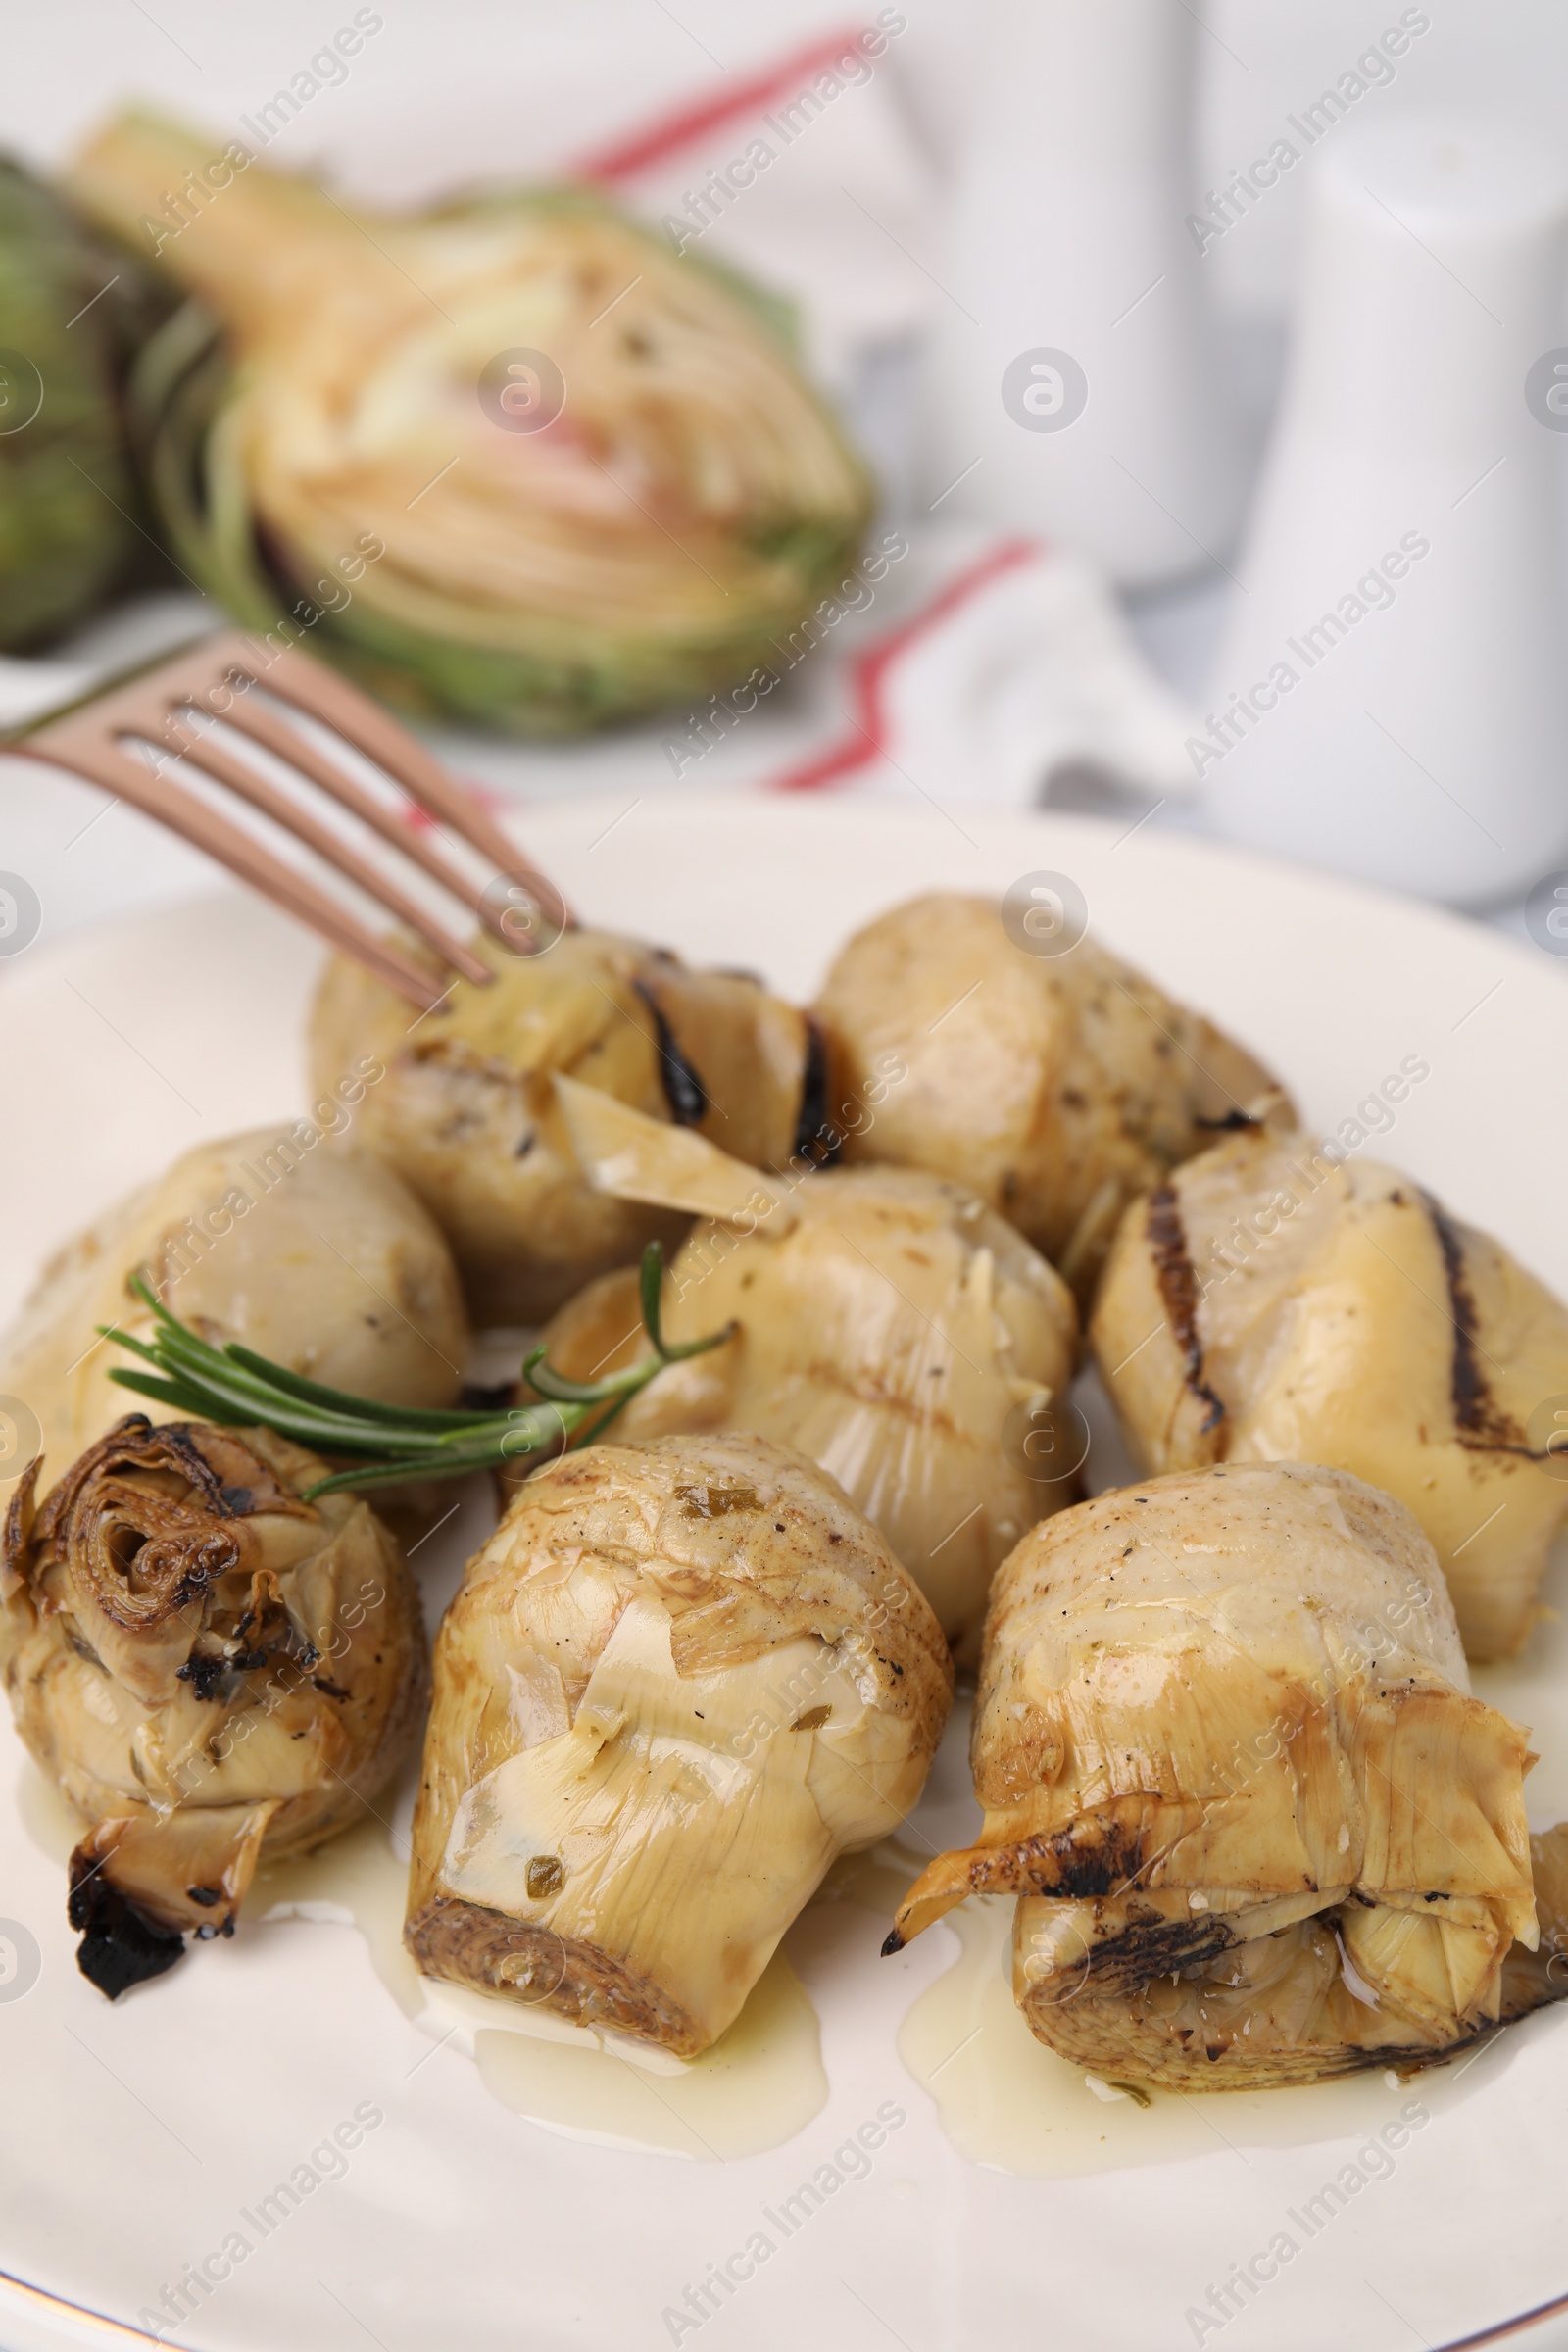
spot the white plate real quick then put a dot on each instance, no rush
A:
(133, 2136)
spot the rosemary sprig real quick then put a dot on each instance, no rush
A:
(233, 1385)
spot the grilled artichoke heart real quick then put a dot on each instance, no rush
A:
(1269, 1303)
(888, 1327)
(71, 314)
(1260, 1830)
(1058, 1088)
(317, 1257)
(209, 1668)
(678, 1680)
(317, 433)
(466, 1112)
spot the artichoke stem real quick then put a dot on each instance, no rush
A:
(226, 230)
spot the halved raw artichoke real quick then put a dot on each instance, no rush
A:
(1261, 1831)
(651, 496)
(70, 312)
(677, 1682)
(207, 1666)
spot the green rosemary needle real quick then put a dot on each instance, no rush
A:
(398, 1443)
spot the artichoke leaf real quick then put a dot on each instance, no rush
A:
(623, 1151)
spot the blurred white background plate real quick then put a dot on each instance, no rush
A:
(130, 2137)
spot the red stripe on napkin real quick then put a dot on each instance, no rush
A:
(677, 129)
(869, 670)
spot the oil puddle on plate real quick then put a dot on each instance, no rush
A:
(1008, 2102)
(759, 2084)
(1004, 2099)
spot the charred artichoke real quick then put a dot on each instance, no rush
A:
(1271, 1302)
(210, 1669)
(887, 1325)
(1058, 1086)
(515, 461)
(677, 1682)
(466, 1112)
(1229, 1762)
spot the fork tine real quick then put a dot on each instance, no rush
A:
(85, 753)
(224, 768)
(263, 726)
(295, 678)
(156, 701)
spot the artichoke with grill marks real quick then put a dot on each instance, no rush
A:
(308, 1253)
(1261, 1831)
(887, 1325)
(1271, 1303)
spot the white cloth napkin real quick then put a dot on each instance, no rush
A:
(1008, 660)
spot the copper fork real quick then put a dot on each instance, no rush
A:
(175, 705)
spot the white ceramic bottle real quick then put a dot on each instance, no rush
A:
(1072, 389)
(1392, 694)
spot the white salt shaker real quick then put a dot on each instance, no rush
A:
(1391, 695)
(1072, 387)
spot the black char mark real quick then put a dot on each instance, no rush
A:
(138, 1438)
(684, 1091)
(1178, 1289)
(1145, 1952)
(204, 1672)
(816, 1137)
(1091, 1858)
(1479, 1420)
(121, 1946)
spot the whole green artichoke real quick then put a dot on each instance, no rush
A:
(68, 310)
(512, 461)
